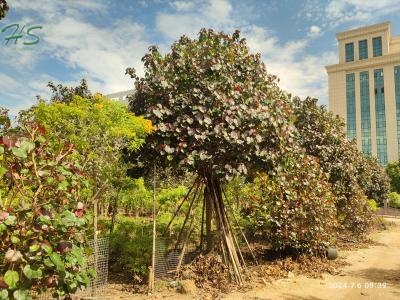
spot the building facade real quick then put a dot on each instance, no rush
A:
(121, 96)
(364, 89)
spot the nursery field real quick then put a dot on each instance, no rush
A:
(213, 182)
(369, 272)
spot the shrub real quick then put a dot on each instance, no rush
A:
(372, 178)
(393, 171)
(352, 175)
(131, 243)
(42, 223)
(394, 200)
(373, 205)
(131, 246)
(295, 209)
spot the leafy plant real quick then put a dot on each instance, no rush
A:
(394, 200)
(217, 113)
(373, 205)
(100, 130)
(354, 177)
(294, 210)
(214, 106)
(43, 224)
(393, 171)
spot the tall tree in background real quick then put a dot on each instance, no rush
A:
(216, 112)
(99, 129)
(353, 176)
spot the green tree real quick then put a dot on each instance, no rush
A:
(352, 175)
(216, 111)
(393, 171)
(99, 129)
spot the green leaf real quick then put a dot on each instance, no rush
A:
(11, 278)
(1, 150)
(63, 185)
(11, 220)
(3, 295)
(56, 259)
(15, 239)
(34, 248)
(21, 295)
(32, 273)
(47, 262)
(47, 248)
(27, 146)
(68, 219)
(19, 152)
(3, 227)
(3, 171)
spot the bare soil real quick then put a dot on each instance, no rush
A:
(365, 273)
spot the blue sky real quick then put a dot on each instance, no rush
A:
(98, 39)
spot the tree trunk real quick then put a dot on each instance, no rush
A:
(209, 215)
(216, 210)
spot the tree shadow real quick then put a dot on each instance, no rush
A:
(376, 275)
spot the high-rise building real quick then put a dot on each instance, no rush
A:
(364, 89)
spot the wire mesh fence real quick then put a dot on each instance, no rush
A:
(170, 254)
(389, 212)
(99, 263)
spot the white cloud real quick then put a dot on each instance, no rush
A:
(100, 54)
(336, 12)
(300, 74)
(183, 5)
(314, 31)
(205, 14)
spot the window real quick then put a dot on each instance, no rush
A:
(377, 46)
(397, 95)
(349, 52)
(362, 49)
(381, 142)
(365, 113)
(351, 106)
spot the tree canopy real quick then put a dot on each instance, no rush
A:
(213, 105)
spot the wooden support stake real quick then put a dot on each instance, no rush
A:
(180, 206)
(238, 225)
(202, 223)
(153, 257)
(187, 216)
(222, 220)
(188, 234)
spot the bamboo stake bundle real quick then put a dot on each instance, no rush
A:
(213, 210)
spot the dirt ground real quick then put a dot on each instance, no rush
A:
(371, 273)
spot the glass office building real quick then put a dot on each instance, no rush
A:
(364, 89)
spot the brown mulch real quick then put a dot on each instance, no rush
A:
(309, 266)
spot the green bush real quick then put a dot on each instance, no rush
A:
(394, 200)
(393, 171)
(373, 205)
(131, 242)
(131, 245)
(295, 209)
